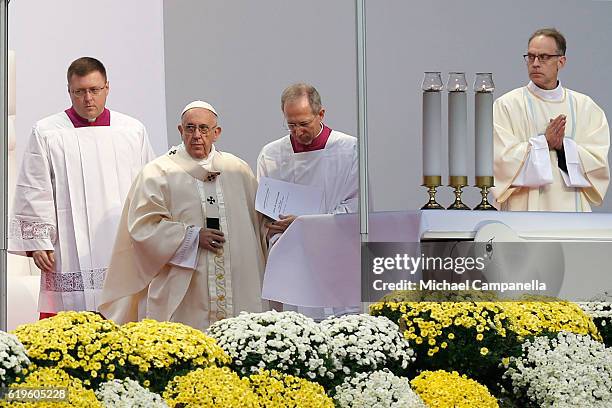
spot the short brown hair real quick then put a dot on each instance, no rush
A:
(301, 89)
(555, 35)
(85, 66)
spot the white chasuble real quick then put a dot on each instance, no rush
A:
(173, 194)
(68, 199)
(520, 120)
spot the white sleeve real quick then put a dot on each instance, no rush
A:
(261, 167)
(536, 170)
(575, 173)
(350, 201)
(33, 223)
(186, 255)
(146, 149)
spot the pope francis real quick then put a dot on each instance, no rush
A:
(189, 245)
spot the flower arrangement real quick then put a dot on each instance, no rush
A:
(128, 393)
(77, 396)
(287, 342)
(474, 337)
(442, 389)
(211, 387)
(562, 371)
(364, 343)
(376, 389)
(360, 360)
(162, 350)
(83, 344)
(466, 336)
(275, 389)
(13, 358)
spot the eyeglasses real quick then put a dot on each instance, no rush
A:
(543, 58)
(204, 129)
(82, 92)
(293, 126)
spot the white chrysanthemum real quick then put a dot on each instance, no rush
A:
(128, 393)
(367, 343)
(13, 357)
(565, 371)
(597, 309)
(287, 341)
(376, 389)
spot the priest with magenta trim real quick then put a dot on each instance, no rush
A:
(312, 154)
(76, 171)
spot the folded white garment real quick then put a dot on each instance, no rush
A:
(536, 170)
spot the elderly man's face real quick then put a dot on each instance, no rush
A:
(199, 131)
(303, 124)
(88, 94)
(544, 73)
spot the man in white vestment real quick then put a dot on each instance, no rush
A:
(189, 246)
(312, 154)
(76, 172)
(551, 143)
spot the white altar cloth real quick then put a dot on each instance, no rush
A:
(316, 262)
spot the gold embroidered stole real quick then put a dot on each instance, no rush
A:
(210, 190)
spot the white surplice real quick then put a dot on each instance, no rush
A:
(68, 198)
(334, 168)
(527, 175)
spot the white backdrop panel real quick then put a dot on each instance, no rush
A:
(127, 36)
(241, 54)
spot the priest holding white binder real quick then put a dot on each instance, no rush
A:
(551, 143)
(312, 154)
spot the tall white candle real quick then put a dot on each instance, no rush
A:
(457, 133)
(483, 124)
(432, 133)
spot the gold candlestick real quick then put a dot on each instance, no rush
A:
(458, 182)
(484, 183)
(432, 183)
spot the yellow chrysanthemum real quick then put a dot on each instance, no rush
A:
(442, 389)
(166, 344)
(275, 389)
(44, 378)
(156, 349)
(77, 342)
(210, 387)
(530, 316)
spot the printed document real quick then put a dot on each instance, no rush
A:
(276, 197)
